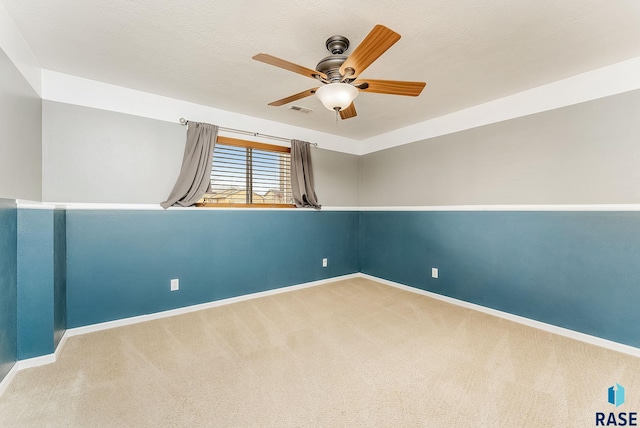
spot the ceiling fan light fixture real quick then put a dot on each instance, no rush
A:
(337, 95)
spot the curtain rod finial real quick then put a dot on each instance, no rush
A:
(183, 121)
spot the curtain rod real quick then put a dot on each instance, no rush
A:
(184, 121)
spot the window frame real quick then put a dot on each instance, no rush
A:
(236, 142)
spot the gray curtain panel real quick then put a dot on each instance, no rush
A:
(304, 194)
(195, 175)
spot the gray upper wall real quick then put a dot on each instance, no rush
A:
(335, 177)
(587, 153)
(20, 135)
(92, 155)
(582, 154)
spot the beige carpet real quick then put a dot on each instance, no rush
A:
(346, 354)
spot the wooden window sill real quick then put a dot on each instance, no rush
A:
(201, 204)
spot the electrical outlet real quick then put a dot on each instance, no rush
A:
(175, 284)
(434, 272)
(324, 263)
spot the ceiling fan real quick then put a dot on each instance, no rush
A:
(339, 74)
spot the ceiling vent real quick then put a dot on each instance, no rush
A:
(301, 109)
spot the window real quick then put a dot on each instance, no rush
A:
(249, 174)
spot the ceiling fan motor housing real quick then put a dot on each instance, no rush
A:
(330, 65)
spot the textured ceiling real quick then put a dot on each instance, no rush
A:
(468, 51)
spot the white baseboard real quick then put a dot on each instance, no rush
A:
(32, 362)
(36, 361)
(187, 309)
(4, 384)
(593, 340)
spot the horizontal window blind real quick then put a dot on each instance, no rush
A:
(248, 175)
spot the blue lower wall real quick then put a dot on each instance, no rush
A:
(120, 263)
(35, 283)
(578, 270)
(59, 275)
(8, 286)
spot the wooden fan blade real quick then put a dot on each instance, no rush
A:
(272, 60)
(391, 87)
(375, 44)
(291, 98)
(349, 112)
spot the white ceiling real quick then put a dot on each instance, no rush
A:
(468, 51)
